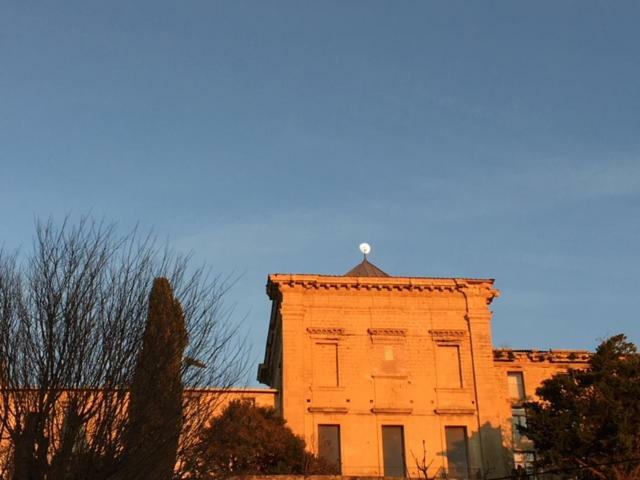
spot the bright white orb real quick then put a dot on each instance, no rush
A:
(365, 248)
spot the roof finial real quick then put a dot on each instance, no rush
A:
(365, 248)
(365, 268)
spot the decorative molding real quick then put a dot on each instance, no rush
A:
(325, 330)
(393, 376)
(458, 390)
(328, 409)
(455, 411)
(324, 388)
(447, 336)
(476, 286)
(392, 410)
(387, 332)
(540, 356)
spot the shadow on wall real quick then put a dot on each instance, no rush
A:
(498, 462)
(497, 459)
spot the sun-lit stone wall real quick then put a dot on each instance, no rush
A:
(364, 353)
(531, 368)
(210, 402)
(261, 397)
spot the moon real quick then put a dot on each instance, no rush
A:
(365, 248)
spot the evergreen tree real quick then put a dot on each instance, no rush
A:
(154, 430)
(250, 440)
(587, 422)
(73, 314)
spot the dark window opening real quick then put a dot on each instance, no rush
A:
(329, 446)
(393, 451)
(457, 456)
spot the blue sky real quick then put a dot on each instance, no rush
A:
(490, 139)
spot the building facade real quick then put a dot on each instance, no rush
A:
(386, 375)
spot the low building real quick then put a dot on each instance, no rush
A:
(386, 375)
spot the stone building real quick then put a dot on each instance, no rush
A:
(384, 375)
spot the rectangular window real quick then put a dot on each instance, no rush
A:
(329, 446)
(519, 419)
(448, 365)
(524, 461)
(457, 456)
(325, 365)
(393, 451)
(516, 385)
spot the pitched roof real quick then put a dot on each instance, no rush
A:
(366, 269)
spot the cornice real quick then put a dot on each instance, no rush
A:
(387, 332)
(325, 331)
(470, 286)
(447, 335)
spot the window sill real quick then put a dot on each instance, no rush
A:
(399, 376)
(328, 389)
(453, 390)
(327, 409)
(455, 411)
(392, 410)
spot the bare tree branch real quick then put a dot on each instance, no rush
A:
(72, 314)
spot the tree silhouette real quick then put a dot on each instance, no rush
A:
(250, 440)
(588, 421)
(154, 427)
(73, 313)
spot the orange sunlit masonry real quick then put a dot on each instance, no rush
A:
(375, 370)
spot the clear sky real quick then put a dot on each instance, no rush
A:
(489, 139)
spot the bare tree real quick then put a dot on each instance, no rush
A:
(72, 315)
(423, 468)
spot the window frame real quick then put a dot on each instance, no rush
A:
(403, 450)
(338, 430)
(465, 432)
(314, 378)
(522, 390)
(461, 383)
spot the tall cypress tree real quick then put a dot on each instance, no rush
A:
(155, 408)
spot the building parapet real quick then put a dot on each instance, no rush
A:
(538, 356)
